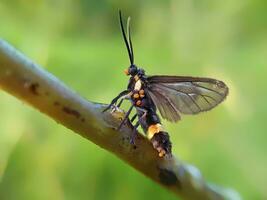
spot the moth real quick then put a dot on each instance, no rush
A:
(172, 96)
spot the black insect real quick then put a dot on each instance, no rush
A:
(171, 95)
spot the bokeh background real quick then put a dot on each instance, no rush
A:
(80, 42)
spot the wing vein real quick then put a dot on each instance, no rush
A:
(182, 99)
(175, 95)
(197, 85)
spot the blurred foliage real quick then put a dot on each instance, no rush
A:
(80, 42)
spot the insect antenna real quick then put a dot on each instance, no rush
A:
(129, 37)
(125, 40)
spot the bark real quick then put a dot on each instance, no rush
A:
(30, 83)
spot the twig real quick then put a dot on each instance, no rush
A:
(20, 77)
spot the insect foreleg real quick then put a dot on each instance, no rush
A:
(114, 101)
(119, 104)
(127, 96)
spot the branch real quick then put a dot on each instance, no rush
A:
(26, 80)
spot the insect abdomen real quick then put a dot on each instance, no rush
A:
(159, 138)
(161, 142)
(156, 134)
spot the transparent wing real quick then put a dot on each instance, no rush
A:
(175, 95)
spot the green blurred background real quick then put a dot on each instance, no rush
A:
(80, 42)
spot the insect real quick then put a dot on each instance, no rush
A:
(172, 96)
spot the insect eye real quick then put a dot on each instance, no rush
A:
(132, 70)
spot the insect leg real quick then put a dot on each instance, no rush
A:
(141, 109)
(127, 96)
(119, 104)
(144, 113)
(116, 99)
(133, 118)
(125, 117)
(134, 133)
(140, 119)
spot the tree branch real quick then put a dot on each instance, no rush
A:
(20, 77)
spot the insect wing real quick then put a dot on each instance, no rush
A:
(175, 95)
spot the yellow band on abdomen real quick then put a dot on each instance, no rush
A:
(153, 129)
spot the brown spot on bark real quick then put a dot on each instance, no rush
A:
(71, 111)
(33, 88)
(168, 177)
(83, 120)
(56, 103)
